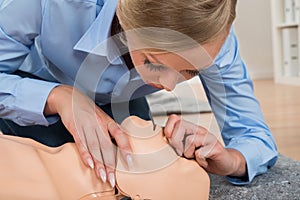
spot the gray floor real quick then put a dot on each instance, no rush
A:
(282, 182)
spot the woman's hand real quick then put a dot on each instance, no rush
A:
(196, 142)
(91, 129)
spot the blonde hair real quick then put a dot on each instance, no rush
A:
(169, 22)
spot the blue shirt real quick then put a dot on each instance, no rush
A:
(53, 39)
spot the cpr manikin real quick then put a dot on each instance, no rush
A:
(30, 170)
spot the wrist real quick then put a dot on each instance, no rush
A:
(52, 107)
(239, 164)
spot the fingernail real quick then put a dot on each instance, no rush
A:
(112, 179)
(90, 163)
(102, 175)
(129, 161)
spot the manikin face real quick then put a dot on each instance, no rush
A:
(163, 69)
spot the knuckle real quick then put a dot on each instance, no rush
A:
(179, 122)
(188, 154)
(218, 148)
(112, 125)
(84, 154)
(202, 130)
(117, 133)
(167, 132)
(123, 142)
(179, 125)
(190, 140)
(173, 116)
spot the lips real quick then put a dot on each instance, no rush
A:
(158, 86)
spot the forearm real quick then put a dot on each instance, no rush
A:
(258, 157)
(23, 100)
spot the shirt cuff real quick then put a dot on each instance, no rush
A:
(30, 106)
(257, 162)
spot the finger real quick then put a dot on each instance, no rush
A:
(183, 129)
(209, 150)
(191, 143)
(77, 132)
(170, 125)
(111, 176)
(202, 154)
(122, 141)
(177, 139)
(93, 146)
(108, 154)
(202, 162)
(83, 151)
(196, 139)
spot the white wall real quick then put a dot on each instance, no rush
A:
(253, 28)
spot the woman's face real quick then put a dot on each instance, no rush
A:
(164, 70)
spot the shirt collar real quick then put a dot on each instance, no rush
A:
(96, 38)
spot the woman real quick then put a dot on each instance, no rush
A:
(66, 45)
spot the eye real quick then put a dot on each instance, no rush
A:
(192, 72)
(153, 67)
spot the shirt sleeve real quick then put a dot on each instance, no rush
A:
(230, 92)
(22, 100)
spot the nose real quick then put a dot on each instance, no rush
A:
(168, 82)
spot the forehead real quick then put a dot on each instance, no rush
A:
(159, 39)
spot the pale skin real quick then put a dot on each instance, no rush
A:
(92, 128)
(200, 143)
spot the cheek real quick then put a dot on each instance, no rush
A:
(147, 75)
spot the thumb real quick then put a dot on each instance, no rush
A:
(200, 158)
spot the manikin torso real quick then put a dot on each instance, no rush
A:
(30, 170)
